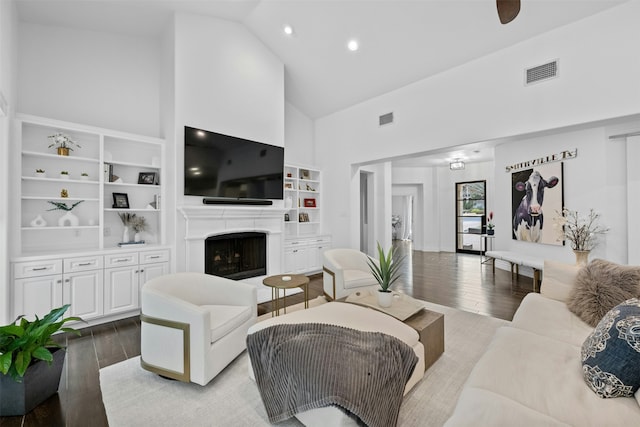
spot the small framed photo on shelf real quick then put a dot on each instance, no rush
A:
(148, 178)
(286, 217)
(309, 203)
(303, 217)
(288, 185)
(304, 174)
(120, 201)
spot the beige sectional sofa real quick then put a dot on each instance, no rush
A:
(531, 374)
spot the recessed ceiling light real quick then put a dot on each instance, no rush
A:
(353, 45)
(288, 30)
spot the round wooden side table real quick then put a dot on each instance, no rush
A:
(276, 283)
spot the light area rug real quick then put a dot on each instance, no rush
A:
(135, 397)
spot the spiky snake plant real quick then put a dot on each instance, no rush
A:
(386, 270)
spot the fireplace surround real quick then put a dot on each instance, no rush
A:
(201, 222)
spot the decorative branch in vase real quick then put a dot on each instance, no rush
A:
(582, 231)
(68, 219)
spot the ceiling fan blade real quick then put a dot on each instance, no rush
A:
(507, 10)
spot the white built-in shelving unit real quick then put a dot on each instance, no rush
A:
(304, 242)
(55, 263)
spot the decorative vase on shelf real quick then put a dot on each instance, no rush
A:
(582, 257)
(63, 151)
(385, 298)
(68, 219)
(40, 175)
(137, 237)
(288, 203)
(64, 176)
(125, 235)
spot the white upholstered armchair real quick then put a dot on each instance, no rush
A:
(193, 324)
(345, 270)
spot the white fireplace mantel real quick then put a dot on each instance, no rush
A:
(205, 221)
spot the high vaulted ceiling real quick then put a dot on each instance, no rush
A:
(401, 41)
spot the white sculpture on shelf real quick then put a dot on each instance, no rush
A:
(38, 222)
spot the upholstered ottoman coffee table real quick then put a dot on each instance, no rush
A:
(354, 317)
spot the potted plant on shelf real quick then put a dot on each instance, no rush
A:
(40, 173)
(490, 224)
(64, 174)
(580, 231)
(63, 143)
(128, 220)
(84, 176)
(69, 217)
(139, 224)
(386, 270)
(31, 361)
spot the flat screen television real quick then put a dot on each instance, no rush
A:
(226, 167)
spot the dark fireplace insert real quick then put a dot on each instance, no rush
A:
(236, 255)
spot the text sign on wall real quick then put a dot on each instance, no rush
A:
(563, 155)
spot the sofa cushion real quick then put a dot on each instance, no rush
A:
(358, 278)
(226, 318)
(611, 354)
(550, 318)
(542, 375)
(600, 286)
(559, 279)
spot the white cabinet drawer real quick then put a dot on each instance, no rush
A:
(148, 257)
(120, 260)
(37, 268)
(72, 265)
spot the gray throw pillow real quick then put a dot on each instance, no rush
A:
(600, 286)
(611, 354)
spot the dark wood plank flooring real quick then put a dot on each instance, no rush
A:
(454, 280)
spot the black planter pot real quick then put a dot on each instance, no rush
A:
(40, 382)
(490, 232)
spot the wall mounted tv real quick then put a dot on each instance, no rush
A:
(226, 168)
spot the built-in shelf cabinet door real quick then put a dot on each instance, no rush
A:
(84, 291)
(37, 295)
(121, 289)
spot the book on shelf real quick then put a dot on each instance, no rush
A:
(127, 244)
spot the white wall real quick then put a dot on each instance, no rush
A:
(594, 179)
(226, 81)
(89, 77)
(8, 40)
(485, 100)
(632, 146)
(298, 137)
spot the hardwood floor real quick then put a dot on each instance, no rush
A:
(454, 280)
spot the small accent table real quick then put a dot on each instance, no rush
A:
(276, 283)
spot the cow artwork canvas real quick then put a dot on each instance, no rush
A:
(535, 194)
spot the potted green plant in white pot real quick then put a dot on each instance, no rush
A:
(31, 361)
(386, 270)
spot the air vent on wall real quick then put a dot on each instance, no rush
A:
(385, 119)
(541, 72)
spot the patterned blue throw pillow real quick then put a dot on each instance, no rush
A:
(611, 354)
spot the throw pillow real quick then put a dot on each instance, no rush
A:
(600, 286)
(558, 280)
(611, 354)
